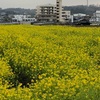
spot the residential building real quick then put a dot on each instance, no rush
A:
(46, 13)
(79, 15)
(95, 19)
(52, 13)
(23, 18)
(4, 17)
(66, 16)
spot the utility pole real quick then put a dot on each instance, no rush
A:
(87, 3)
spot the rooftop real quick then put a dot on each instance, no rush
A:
(48, 5)
(98, 11)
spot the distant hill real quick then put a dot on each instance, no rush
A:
(82, 9)
(18, 11)
(74, 9)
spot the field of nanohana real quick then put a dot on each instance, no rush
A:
(49, 63)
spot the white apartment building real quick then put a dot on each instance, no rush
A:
(95, 18)
(23, 18)
(52, 13)
(46, 13)
(66, 16)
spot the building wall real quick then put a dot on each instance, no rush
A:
(46, 13)
(66, 15)
(23, 18)
(52, 13)
(95, 18)
(59, 10)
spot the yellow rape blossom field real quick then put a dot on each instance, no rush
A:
(49, 63)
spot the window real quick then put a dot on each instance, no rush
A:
(63, 12)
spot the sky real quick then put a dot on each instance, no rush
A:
(31, 4)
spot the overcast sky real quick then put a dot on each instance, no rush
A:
(33, 3)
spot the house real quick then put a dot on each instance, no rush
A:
(4, 17)
(80, 17)
(66, 16)
(23, 18)
(95, 19)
